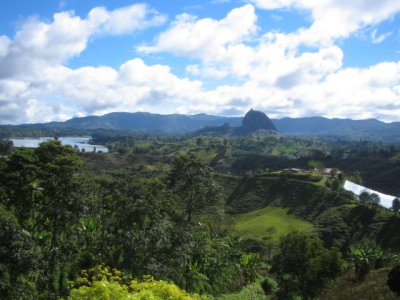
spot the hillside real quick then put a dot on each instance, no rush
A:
(338, 219)
(370, 129)
(135, 205)
(139, 121)
(268, 224)
(347, 288)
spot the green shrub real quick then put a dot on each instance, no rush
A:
(270, 286)
(102, 282)
(394, 279)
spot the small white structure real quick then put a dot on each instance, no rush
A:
(386, 200)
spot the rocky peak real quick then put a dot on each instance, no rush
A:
(255, 120)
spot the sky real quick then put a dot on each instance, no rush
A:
(287, 58)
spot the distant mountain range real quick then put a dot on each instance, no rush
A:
(370, 129)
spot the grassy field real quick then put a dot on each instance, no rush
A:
(268, 224)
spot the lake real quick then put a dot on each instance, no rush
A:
(80, 142)
(386, 200)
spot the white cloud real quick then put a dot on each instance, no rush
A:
(31, 64)
(333, 19)
(269, 70)
(356, 93)
(126, 19)
(60, 92)
(206, 38)
(4, 45)
(223, 49)
(54, 42)
(38, 44)
(376, 39)
(283, 80)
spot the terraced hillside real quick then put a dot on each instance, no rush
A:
(336, 216)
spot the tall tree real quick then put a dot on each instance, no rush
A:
(20, 181)
(364, 197)
(6, 146)
(61, 205)
(396, 205)
(18, 259)
(363, 257)
(141, 218)
(374, 199)
(59, 180)
(303, 266)
(193, 183)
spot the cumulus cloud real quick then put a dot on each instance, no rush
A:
(65, 92)
(280, 78)
(126, 19)
(269, 71)
(38, 44)
(218, 44)
(32, 71)
(223, 50)
(206, 38)
(356, 93)
(333, 19)
(4, 45)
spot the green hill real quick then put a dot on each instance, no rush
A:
(268, 223)
(336, 216)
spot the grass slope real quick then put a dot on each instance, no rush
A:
(338, 220)
(268, 223)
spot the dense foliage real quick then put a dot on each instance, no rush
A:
(56, 220)
(303, 266)
(394, 279)
(172, 208)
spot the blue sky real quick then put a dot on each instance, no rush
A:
(334, 58)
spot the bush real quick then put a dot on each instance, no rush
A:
(303, 266)
(102, 282)
(101, 290)
(394, 279)
(269, 286)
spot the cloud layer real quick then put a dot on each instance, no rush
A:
(267, 70)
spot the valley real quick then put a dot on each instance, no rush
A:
(200, 150)
(227, 201)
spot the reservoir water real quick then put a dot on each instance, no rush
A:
(80, 142)
(386, 200)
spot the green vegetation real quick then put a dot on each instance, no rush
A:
(268, 224)
(105, 283)
(5, 147)
(346, 287)
(303, 266)
(250, 292)
(198, 216)
(394, 280)
(396, 205)
(366, 257)
(57, 220)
